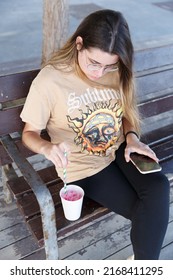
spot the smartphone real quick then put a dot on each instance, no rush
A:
(144, 163)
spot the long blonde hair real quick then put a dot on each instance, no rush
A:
(108, 31)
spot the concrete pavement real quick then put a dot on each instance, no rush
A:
(150, 22)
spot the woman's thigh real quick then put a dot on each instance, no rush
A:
(152, 182)
(111, 189)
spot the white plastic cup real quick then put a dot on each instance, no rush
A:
(72, 208)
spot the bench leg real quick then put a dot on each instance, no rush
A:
(7, 173)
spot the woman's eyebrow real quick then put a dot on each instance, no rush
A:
(96, 62)
(93, 61)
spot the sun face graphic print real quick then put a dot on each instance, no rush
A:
(98, 128)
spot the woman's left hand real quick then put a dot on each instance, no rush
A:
(136, 146)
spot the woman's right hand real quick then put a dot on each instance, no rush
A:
(57, 153)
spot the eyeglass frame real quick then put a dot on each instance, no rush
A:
(97, 67)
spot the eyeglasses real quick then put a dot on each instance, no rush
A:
(97, 67)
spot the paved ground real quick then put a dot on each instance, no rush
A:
(150, 22)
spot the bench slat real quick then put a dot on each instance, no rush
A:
(90, 211)
(5, 159)
(29, 206)
(159, 135)
(152, 107)
(19, 186)
(10, 121)
(150, 58)
(154, 82)
(17, 86)
(156, 106)
(164, 151)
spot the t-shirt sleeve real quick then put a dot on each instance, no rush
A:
(36, 110)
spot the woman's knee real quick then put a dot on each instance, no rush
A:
(158, 194)
(155, 189)
(161, 183)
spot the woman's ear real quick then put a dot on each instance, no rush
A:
(79, 43)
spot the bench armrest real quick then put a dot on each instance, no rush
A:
(42, 194)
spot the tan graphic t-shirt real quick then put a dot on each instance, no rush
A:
(88, 118)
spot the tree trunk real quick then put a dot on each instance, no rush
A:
(55, 26)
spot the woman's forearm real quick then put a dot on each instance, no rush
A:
(53, 152)
(128, 127)
(34, 142)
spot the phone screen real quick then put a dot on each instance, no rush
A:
(144, 163)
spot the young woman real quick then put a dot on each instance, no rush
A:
(85, 99)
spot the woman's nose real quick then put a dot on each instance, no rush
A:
(100, 72)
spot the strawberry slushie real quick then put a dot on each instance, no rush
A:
(72, 199)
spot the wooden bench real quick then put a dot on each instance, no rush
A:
(37, 192)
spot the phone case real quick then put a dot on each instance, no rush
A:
(145, 164)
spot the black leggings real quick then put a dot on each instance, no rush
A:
(144, 199)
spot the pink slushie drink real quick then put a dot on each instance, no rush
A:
(72, 199)
(71, 195)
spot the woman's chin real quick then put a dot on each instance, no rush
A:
(93, 78)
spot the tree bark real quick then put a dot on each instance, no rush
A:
(55, 26)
